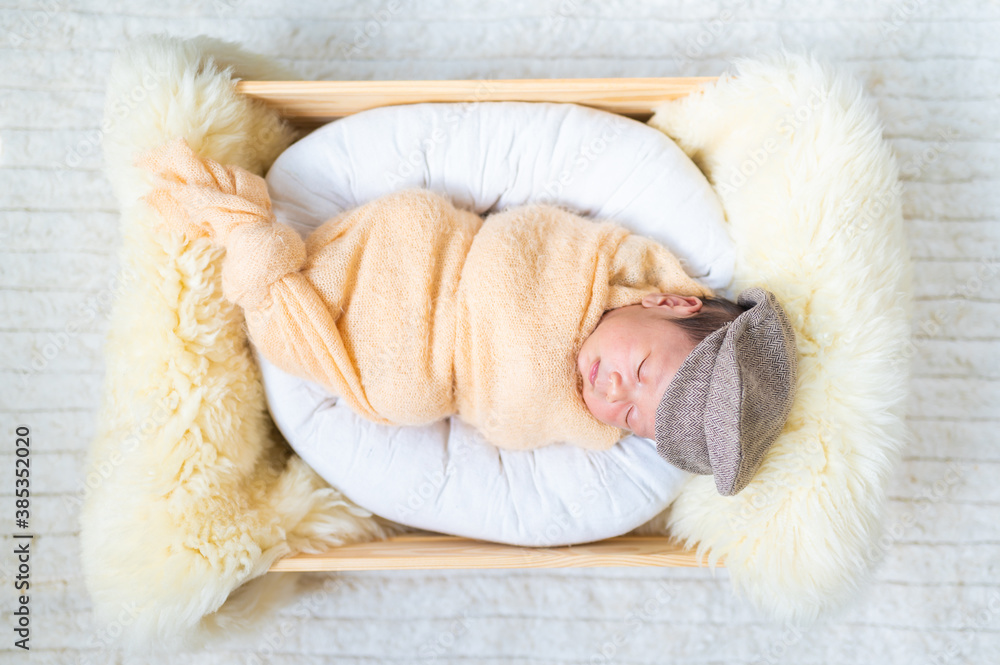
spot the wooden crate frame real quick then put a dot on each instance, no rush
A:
(310, 104)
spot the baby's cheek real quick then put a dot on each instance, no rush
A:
(603, 415)
(588, 400)
(649, 427)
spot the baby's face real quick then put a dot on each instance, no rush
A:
(630, 358)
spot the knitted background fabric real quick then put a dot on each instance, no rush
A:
(930, 70)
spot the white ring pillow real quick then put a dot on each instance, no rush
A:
(485, 157)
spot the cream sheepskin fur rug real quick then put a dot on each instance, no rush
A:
(812, 196)
(192, 484)
(190, 490)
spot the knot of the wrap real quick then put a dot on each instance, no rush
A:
(257, 256)
(230, 205)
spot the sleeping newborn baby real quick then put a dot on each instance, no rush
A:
(535, 325)
(630, 358)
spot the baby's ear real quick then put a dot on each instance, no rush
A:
(654, 299)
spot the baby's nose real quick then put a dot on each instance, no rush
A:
(614, 386)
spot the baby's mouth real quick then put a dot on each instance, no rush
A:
(593, 373)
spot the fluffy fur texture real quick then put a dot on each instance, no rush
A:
(811, 192)
(191, 490)
(192, 493)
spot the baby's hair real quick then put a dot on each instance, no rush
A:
(715, 313)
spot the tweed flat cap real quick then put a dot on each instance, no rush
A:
(731, 396)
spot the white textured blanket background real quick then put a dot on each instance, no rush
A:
(933, 69)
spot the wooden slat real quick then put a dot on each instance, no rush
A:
(311, 103)
(423, 552)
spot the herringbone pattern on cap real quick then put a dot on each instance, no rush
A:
(732, 395)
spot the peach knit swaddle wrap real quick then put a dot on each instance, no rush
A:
(260, 272)
(412, 309)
